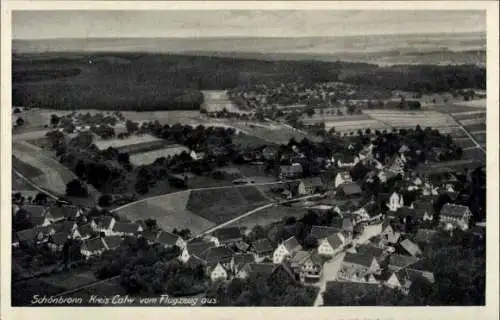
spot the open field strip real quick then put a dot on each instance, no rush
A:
(478, 103)
(331, 118)
(218, 100)
(32, 135)
(148, 157)
(410, 119)
(468, 122)
(344, 126)
(117, 143)
(468, 114)
(478, 132)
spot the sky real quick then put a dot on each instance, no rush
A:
(232, 23)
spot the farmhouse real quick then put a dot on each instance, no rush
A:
(251, 269)
(195, 249)
(322, 232)
(34, 236)
(92, 247)
(37, 215)
(453, 215)
(286, 249)
(396, 201)
(346, 160)
(68, 227)
(422, 211)
(225, 236)
(56, 242)
(86, 231)
(262, 249)
(222, 255)
(59, 213)
(217, 272)
(349, 190)
(293, 171)
(113, 242)
(306, 266)
(331, 245)
(168, 240)
(409, 248)
(103, 224)
(355, 267)
(125, 229)
(399, 261)
(372, 251)
(310, 186)
(239, 260)
(424, 236)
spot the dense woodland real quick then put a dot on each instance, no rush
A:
(146, 82)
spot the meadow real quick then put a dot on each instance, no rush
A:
(148, 157)
(117, 143)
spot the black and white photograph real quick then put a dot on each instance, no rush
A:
(249, 157)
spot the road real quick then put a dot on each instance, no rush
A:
(471, 137)
(330, 270)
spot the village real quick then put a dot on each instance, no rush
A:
(352, 233)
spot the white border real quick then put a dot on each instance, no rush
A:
(489, 312)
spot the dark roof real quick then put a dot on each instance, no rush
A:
(113, 242)
(227, 234)
(260, 268)
(262, 246)
(59, 212)
(93, 244)
(59, 238)
(425, 235)
(198, 248)
(35, 210)
(241, 259)
(29, 235)
(401, 261)
(166, 238)
(103, 222)
(410, 247)
(350, 188)
(126, 227)
(402, 212)
(360, 259)
(291, 244)
(345, 157)
(150, 235)
(64, 226)
(85, 229)
(371, 251)
(454, 210)
(194, 262)
(347, 225)
(321, 232)
(421, 207)
(216, 254)
(335, 241)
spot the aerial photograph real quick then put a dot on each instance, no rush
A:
(248, 158)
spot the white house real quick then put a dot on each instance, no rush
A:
(286, 249)
(455, 216)
(218, 273)
(347, 161)
(92, 247)
(395, 201)
(196, 155)
(105, 225)
(332, 245)
(342, 177)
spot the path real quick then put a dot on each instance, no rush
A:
(330, 271)
(471, 137)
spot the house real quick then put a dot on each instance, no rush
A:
(148, 235)
(286, 249)
(346, 160)
(217, 272)
(310, 186)
(92, 247)
(306, 266)
(103, 224)
(341, 178)
(37, 215)
(389, 234)
(396, 201)
(323, 232)
(347, 228)
(356, 266)
(331, 245)
(396, 262)
(56, 241)
(70, 228)
(410, 248)
(293, 171)
(125, 229)
(424, 269)
(86, 231)
(345, 208)
(369, 212)
(113, 242)
(453, 215)
(386, 175)
(251, 269)
(195, 249)
(349, 190)
(422, 211)
(34, 236)
(239, 260)
(167, 239)
(372, 251)
(225, 236)
(222, 255)
(59, 213)
(262, 249)
(424, 236)
(197, 155)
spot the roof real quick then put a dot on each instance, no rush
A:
(259, 268)
(149, 235)
(85, 229)
(321, 232)
(216, 254)
(262, 246)
(401, 261)
(126, 227)
(93, 244)
(297, 168)
(424, 235)
(198, 248)
(59, 238)
(103, 222)
(291, 244)
(360, 259)
(402, 212)
(370, 250)
(454, 210)
(300, 257)
(113, 242)
(347, 225)
(314, 182)
(194, 262)
(166, 238)
(227, 234)
(59, 212)
(64, 226)
(410, 247)
(242, 259)
(35, 210)
(29, 235)
(421, 207)
(350, 188)
(335, 241)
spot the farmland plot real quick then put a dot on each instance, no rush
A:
(270, 215)
(169, 211)
(409, 119)
(117, 143)
(217, 100)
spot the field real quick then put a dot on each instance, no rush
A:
(130, 141)
(220, 205)
(148, 157)
(169, 211)
(270, 215)
(25, 169)
(475, 124)
(410, 119)
(20, 184)
(217, 100)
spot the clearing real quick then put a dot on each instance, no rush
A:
(145, 158)
(130, 141)
(217, 100)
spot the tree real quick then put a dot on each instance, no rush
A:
(54, 120)
(131, 126)
(151, 224)
(105, 200)
(41, 198)
(19, 121)
(76, 188)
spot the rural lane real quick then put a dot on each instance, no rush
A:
(330, 270)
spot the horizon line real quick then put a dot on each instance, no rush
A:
(248, 37)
